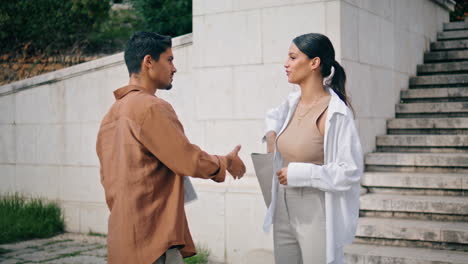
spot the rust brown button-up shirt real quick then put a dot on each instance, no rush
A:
(144, 155)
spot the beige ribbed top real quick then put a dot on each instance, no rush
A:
(301, 141)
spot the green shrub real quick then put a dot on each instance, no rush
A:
(167, 17)
(201, 258)
(47, 25)
(4, 251)
(461, 8)
(96, 234)
(22, 219)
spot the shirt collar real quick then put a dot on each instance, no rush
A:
(123, 91)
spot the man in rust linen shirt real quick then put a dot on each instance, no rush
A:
(144, 156)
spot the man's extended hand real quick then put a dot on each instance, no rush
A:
(235, 165)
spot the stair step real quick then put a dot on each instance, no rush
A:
(447, 181)
(455, 93)
(453, 205)
(418, 159)
(423, 141)
(443, 68)
(450, 55)
(442, 109)
(449, 45)
(455, 34)
(447, 80)
(368, 254)
(455, 26)
(427, 126)
(409, 229)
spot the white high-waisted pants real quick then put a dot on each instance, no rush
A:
(299, 226)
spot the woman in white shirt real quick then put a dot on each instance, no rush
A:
(318, 159)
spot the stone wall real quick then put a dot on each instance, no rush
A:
(381, 44)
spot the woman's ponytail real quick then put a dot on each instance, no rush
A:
(338, 83)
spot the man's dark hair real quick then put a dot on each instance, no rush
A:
(142, 44)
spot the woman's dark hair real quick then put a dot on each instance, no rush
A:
(318, 45)
(142, 44)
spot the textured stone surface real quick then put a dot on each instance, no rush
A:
(439, 79)
(450, 44)
(454, 92)
(443, 67)
(423, 140)
(432, 107)
(413, 203)
(367, 254)
(66, 248)
(415, 180)
(435, 56)
(456, 34)
(78, 260)
(418, 159)
(455, 25)
(7, 143)
(421, 123)
(408, 229)
(445, 55)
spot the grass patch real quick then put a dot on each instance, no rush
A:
(96, 234)
(24, 219)
(61, 256)
(72, 254)
(4, 251)
(201, 258)
(32, 247)
(56, 242)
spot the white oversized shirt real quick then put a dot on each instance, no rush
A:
(339, 177)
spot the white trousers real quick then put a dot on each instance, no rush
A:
(299, 226)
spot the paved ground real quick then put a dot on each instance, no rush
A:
(62, 249)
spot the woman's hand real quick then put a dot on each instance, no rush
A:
(283, 176)
(270, 140)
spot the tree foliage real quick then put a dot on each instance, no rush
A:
(86, 26)
(48, 25)
(167, 17)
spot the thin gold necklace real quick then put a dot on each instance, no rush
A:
(300, 117)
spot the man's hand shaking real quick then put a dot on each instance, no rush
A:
(235, 165)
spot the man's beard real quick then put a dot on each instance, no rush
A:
(167, 87)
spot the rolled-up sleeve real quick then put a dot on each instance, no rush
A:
(275, 118)
(162, 134)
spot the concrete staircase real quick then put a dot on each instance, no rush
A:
(416, 208)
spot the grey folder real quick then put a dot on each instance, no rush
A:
(263, 165)
(189, 191)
